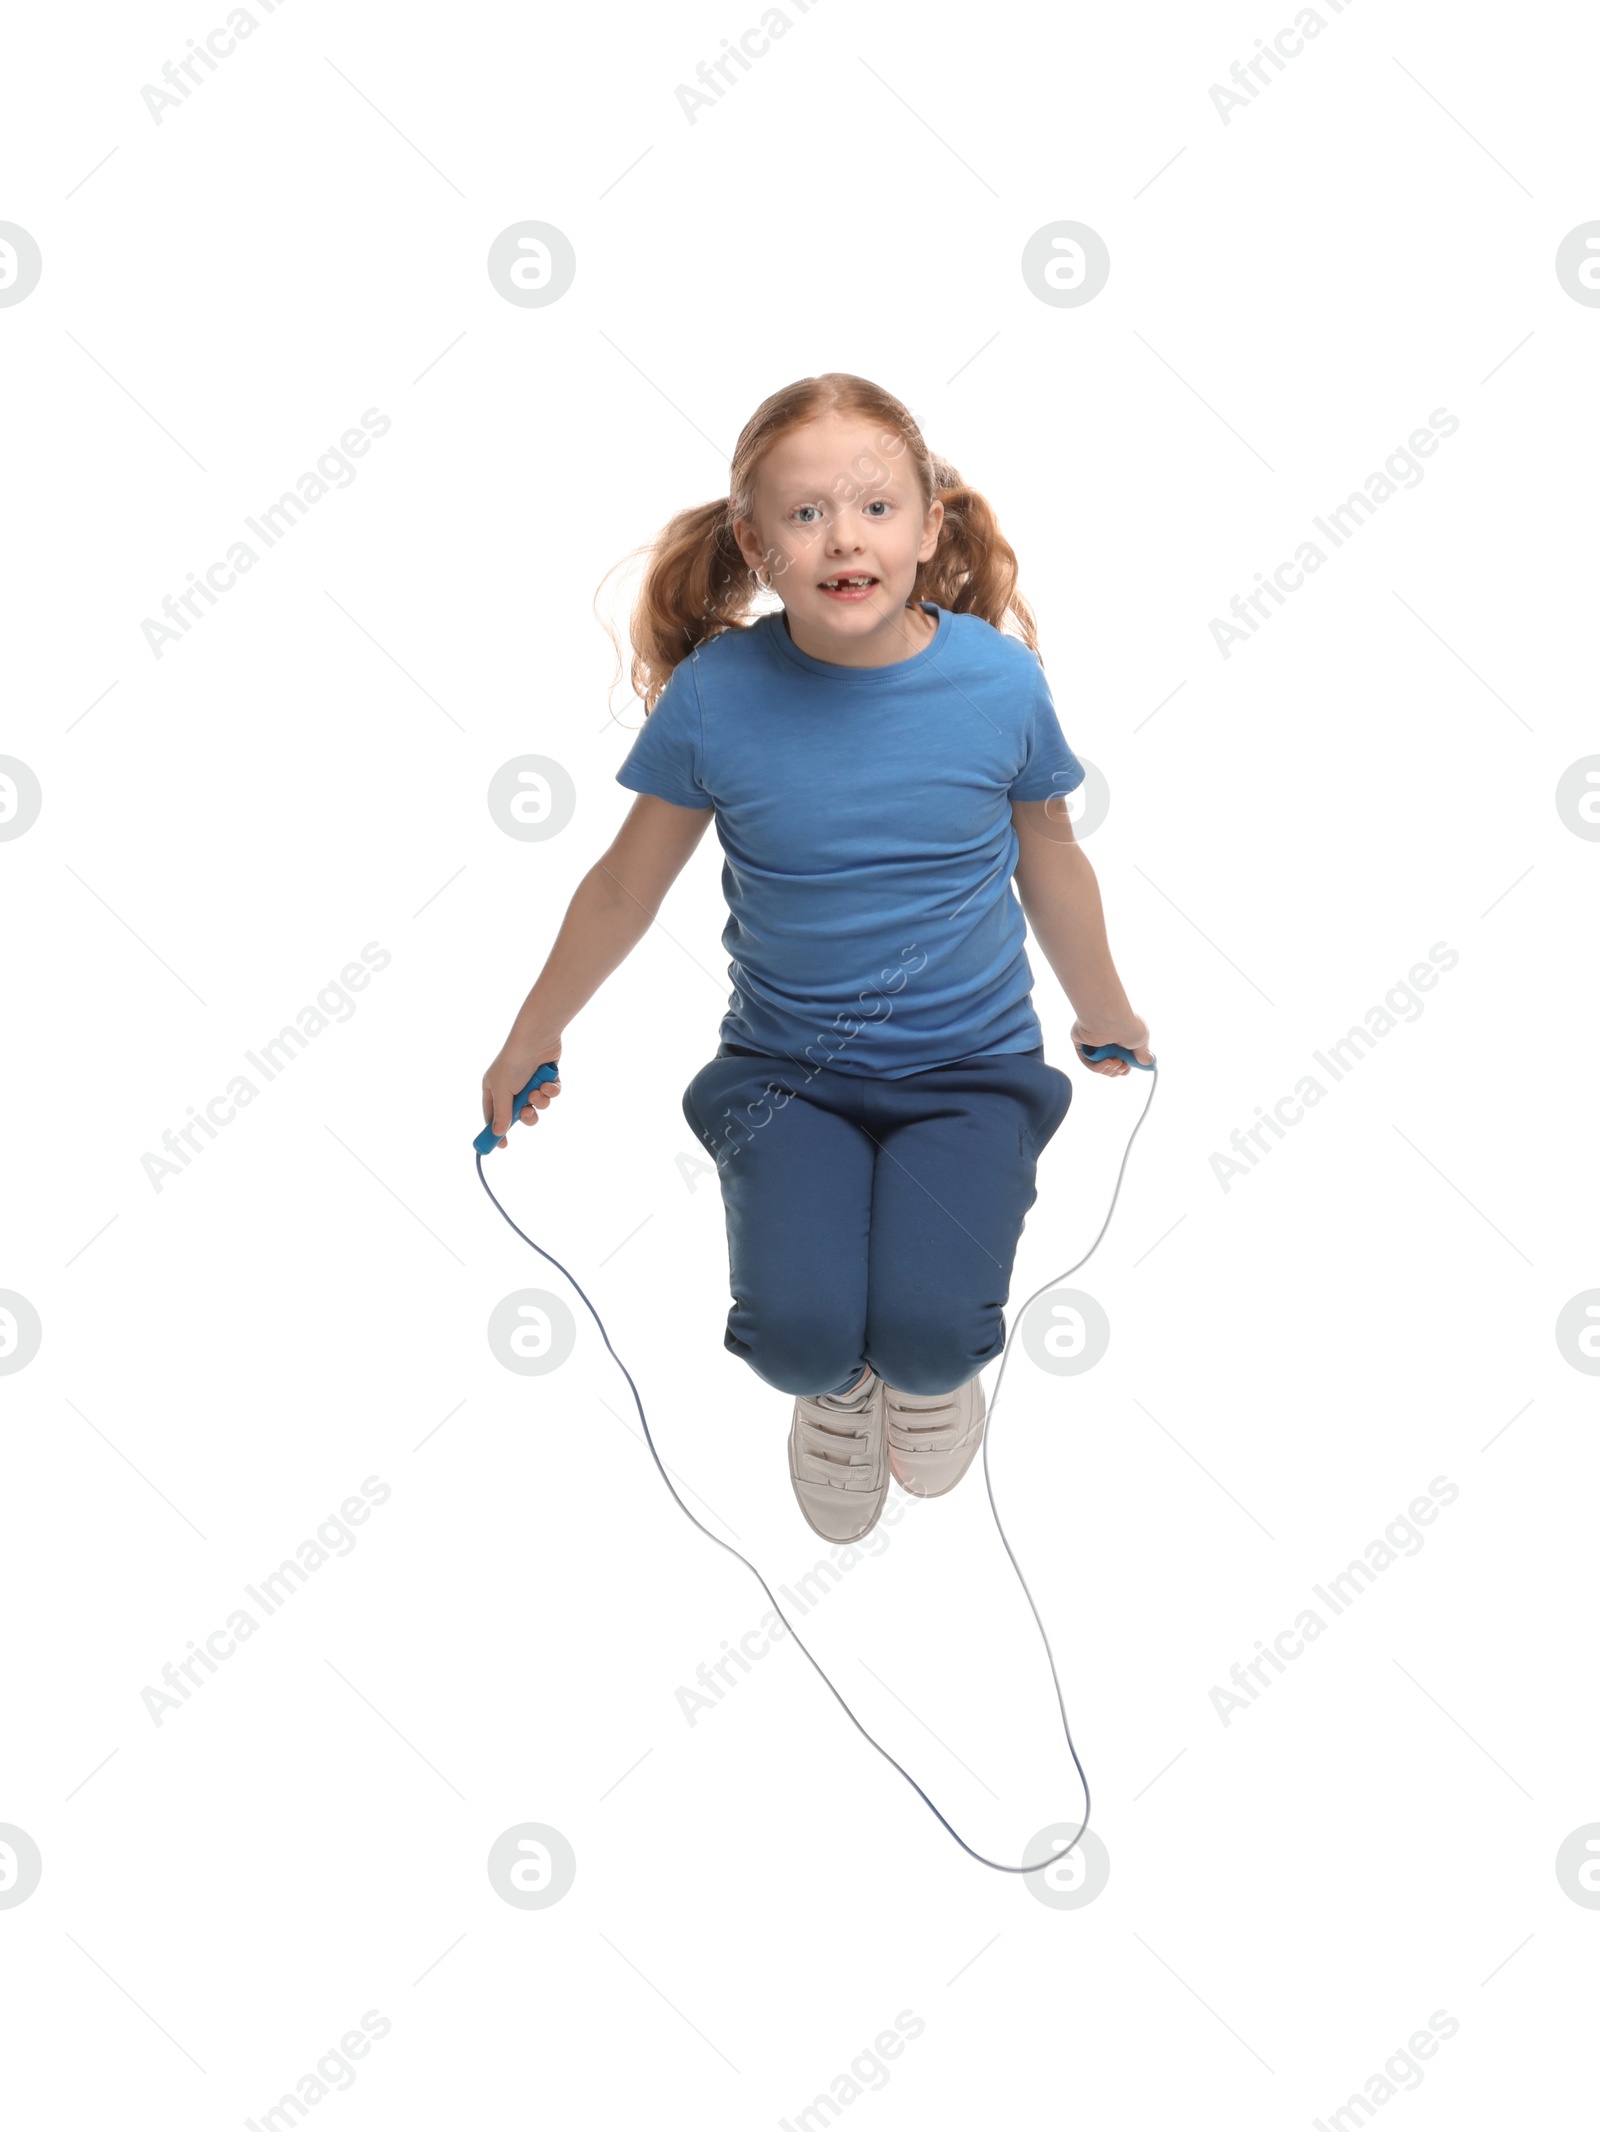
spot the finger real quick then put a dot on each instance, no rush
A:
(529, 1113)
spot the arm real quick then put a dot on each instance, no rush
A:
(611, 909)
(1060, 899)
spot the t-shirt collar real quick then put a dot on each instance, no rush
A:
(785, 648)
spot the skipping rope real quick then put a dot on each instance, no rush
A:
(486, 1142)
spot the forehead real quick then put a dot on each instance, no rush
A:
(813, 457)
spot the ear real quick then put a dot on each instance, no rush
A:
(749, 547)
(930, 530)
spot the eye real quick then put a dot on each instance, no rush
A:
(803, 507)
(876, 500)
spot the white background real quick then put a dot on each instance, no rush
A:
(1292, 1360)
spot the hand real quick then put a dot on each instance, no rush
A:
(520, 1058)
(1124, 1029)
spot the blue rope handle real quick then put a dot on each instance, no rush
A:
(489, 1139)
(1116, 1051)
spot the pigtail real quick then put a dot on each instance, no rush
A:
(974, 568)
(696, 584)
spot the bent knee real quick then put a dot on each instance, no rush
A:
(797, 1353)
(926, 1357)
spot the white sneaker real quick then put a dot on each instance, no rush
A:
(838, 1461)
(932, 1441)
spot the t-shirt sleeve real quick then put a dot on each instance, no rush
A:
(1050, 765)
(667, 754)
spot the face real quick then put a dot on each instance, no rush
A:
(836, 500)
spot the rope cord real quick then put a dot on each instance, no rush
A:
(988, 1432)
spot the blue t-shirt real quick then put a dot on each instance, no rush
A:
(864, 814)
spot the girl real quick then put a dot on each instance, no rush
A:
(882, 758)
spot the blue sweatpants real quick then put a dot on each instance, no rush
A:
(873, 1221)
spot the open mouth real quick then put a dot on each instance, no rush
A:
(848, 588)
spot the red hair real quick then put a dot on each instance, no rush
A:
(697, 584)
